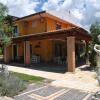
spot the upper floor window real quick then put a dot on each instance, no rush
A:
(33, 24)
(15, 30)
(58, 26)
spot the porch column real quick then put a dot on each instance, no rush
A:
(27, 52)
(71, 53)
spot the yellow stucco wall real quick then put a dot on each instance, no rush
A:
(31, 26)
(51, 24)
(44, 50)
(39, 26)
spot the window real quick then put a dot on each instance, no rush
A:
(33, 24)
(58, 26)
(15, 30)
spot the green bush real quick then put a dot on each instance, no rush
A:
(92, 59)
(0, 51)
(11, 85)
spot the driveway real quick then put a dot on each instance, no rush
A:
(48, 92)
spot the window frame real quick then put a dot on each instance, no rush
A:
(15, 31)
(58, 26)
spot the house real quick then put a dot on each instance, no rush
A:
(42, 37)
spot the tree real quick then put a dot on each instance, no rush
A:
(9, 24)
(4, 39)
(95, 31)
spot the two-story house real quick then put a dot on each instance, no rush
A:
(42, 37)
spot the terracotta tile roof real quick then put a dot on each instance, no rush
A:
(31, 15)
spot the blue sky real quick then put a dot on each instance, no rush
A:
(39, 6)
(80, 12)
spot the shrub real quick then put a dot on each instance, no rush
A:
(11, 85)
(0, 51)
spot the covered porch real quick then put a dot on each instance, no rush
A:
(59, 47)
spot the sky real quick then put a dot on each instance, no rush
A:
(80, 12)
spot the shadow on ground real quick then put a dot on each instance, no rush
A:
(43, 67)
(87, 68)
(49, 67)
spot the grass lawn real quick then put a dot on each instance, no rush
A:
(28, 77)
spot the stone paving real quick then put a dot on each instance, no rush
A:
(48, 92)
(82, 80)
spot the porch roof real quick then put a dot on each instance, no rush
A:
(79, 34)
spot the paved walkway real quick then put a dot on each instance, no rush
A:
(29, 71)
(83, 80)
(48, 92)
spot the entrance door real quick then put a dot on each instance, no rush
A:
(14, 52)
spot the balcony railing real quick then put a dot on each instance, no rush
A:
(15, 34)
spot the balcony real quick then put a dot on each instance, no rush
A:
(15, 34)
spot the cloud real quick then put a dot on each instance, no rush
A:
(80, 12)
(20, 7)
(97, 14)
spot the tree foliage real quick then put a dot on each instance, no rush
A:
(3, 12)
(9, 20)
(95, 31)
(4, 39)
